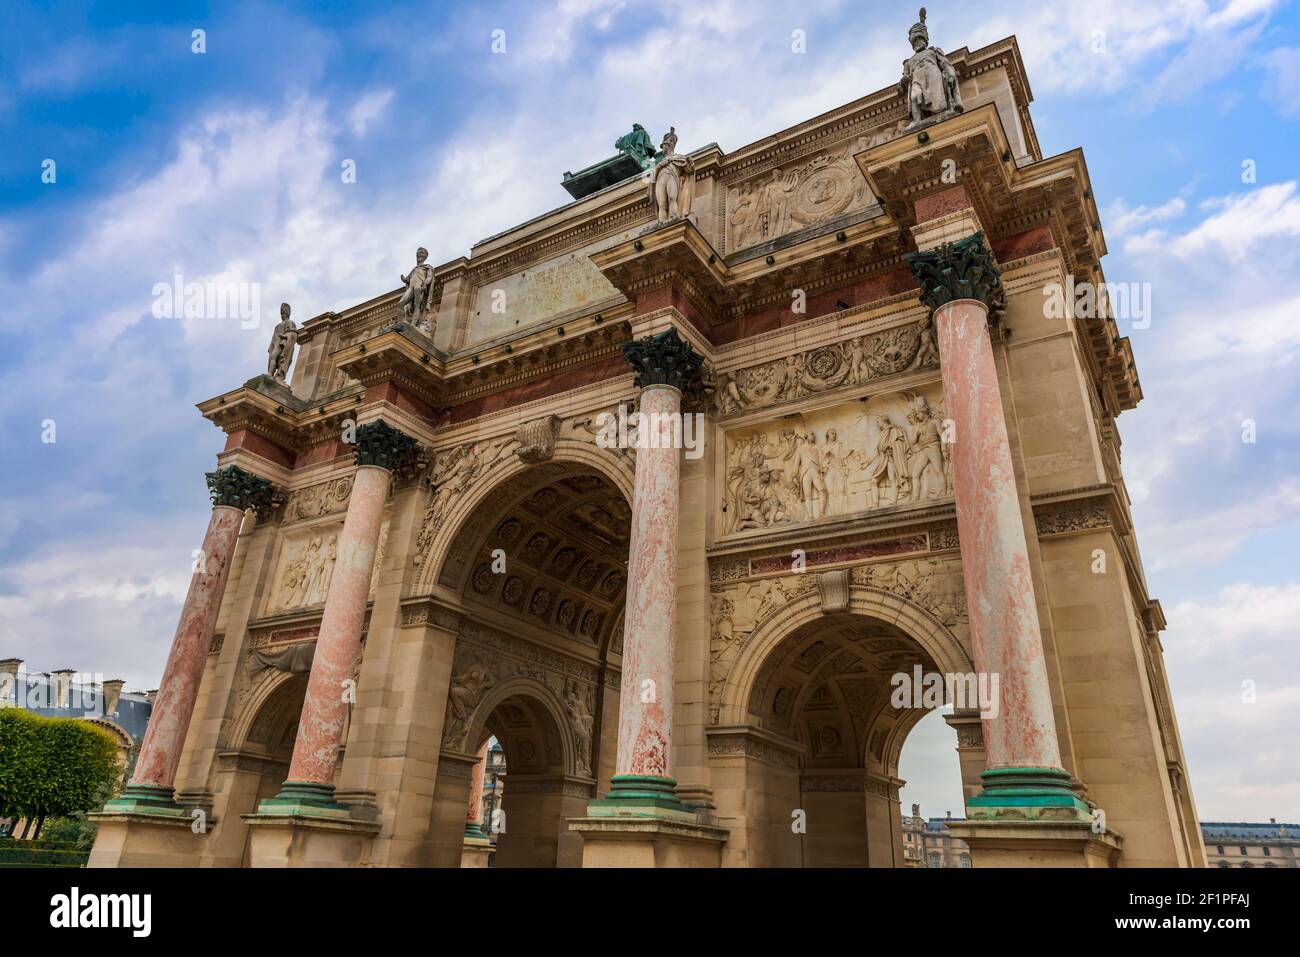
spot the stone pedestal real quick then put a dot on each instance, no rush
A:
(308, 840)
(476, 853)
(144, 839)
(645, 841)
(1012, 843)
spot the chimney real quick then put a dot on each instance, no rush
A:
(9, 668)
(112, 692)
(152, 695)
(949, 813)
(62, 680)
(1272, 820)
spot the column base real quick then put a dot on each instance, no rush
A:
(641, 795)
(475, 832)
(643, 840)
(305, 799)
(1028, 794)
(144, 839)
(146, 799)
(477, 850)
(1037, 843)
(287, 839)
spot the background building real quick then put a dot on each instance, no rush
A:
(929, 843)
(1250, 845)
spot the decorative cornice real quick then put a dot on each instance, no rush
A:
(236, 488)
(664, 359)
(964, 269)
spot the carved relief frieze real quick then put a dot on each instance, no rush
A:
(1065, 517)
(852, 362)
(306, 566)
(316, 501)
(837, 461)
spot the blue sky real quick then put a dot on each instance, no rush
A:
(225, 166)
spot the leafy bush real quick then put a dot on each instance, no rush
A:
(53, 767)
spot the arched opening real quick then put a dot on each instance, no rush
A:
(813, 719)
(260, 764)
(539, 568)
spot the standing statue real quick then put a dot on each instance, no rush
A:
(419, 292)
(929, 81)
(283, 341)
(672, 181)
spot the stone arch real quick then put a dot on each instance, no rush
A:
(545, 701)
(943, 647)
(259, 695)
(511, 478)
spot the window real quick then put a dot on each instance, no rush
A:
(965, 861)
(1267, 852)
(935, 861)
(1220, 848)
(1243, 850)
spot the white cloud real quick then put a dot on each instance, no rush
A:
(1120, 219)
(367, 109)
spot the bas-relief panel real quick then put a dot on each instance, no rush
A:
(561, 286)
(804, 194)
(306, 566)
(837, 461)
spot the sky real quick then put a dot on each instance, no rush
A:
(226, 166)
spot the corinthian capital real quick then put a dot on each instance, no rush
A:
(665, 359)
(964, 269)
(237, 488)
(381, 445)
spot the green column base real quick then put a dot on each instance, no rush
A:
(304, 798)
(1027, 794)
(146, 799)
(640, 795)
(474, 832)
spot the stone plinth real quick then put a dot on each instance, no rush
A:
(308, 840)
(659, 841)
(1037, 844)
(143, 839)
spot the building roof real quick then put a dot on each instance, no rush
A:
(1221, 830)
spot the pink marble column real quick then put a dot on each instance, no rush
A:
(474, 810)
(995, 559)
(650, 621)
(325, 709)
(160, 753)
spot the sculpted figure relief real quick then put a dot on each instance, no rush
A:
(837, 461)
(416, 298)
(672, 181)
(929, 81)
(284, 339)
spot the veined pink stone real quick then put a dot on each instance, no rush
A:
(650, 621)
(325, 708)
(474, 810)
(1004, 624)
(160, 753)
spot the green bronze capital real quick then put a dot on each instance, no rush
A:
(665, 359)
(237, 488)
(964, 269)
(382, 445)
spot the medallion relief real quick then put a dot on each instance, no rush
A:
(853, 362)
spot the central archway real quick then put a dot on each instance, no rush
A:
(537, 564)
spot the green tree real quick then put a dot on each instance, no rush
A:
(53, 766)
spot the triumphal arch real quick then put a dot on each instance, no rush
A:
(674, 491)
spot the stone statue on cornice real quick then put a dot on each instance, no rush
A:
(284, 339)
(415, 300)
(929, 80)
(672, 181)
